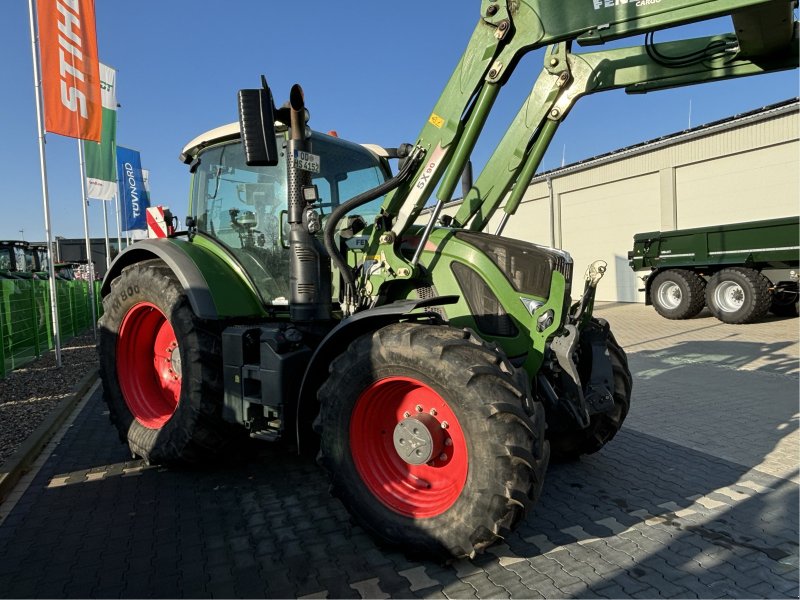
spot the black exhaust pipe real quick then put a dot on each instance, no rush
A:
(309, 274)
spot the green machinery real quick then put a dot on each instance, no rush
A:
(23, 260)
(739, 270)
(436, 366)
(14, 261)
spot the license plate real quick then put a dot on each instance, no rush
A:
(305, 161)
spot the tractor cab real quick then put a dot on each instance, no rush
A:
(15, 260)
(244, 208)
(41, 260)
(65, 270)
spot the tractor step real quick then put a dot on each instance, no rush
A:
(260, 366)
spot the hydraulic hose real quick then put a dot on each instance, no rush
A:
(333, 220)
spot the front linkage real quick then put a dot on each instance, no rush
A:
(584, 382)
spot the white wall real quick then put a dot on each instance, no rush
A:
(748, 186)
(597, 221)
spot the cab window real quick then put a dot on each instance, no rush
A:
(241, 206)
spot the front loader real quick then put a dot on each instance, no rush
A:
(437, 367)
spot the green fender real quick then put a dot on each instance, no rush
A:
(215, 284)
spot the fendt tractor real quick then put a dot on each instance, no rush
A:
(437, 367)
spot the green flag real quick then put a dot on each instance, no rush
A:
(101, 159)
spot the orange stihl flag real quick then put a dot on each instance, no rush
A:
(70, 68)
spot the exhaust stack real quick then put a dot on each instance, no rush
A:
(309, 274)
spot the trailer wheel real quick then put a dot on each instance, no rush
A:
(161, 368)
(603, 427)
(678, 294)
(427, 439)
(738, 295)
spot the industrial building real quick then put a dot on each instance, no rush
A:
(738, 169)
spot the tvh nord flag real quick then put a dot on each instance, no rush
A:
(70, 68)
(101, 159)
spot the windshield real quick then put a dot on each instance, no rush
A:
(241, 206)
(30, 260)
(44, 261)
(6, 263)
(19, 255)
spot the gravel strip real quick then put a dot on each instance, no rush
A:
(29, 394)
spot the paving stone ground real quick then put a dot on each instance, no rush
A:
(697, 497)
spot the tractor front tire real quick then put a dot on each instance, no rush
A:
(430, 440)
(738, 295)
(571, 445)
(678, 294)
(161, 368)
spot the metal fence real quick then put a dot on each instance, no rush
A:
(26, 327)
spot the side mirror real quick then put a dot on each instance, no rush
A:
(257, 124)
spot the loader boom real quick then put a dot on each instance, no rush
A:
(765, 40)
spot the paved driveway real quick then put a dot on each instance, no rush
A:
(696, 497)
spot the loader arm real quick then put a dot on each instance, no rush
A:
(509, 29)
(635, 69)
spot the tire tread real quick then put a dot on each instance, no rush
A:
(757, 302)
(693, 290)
(520, 461)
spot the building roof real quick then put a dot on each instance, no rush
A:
(760, 114)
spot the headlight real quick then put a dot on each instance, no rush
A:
(545, 320)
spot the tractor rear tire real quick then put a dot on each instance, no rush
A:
(571, 445)
(738, 295)
(678, 294)
(472, 437)
(161, 368)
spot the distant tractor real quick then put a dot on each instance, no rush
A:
(40, 259)
(14, 260)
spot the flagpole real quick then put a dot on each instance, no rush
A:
(119, 224)
(116, 203)
(127, 231)
(108, 242)
(85, 201)
(45, 195)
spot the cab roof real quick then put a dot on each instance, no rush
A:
(232, 131)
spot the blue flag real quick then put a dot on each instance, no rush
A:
(133, 197)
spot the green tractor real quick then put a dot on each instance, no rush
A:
(23, 260)
(436, 366)
(16, 260)
(40, 258)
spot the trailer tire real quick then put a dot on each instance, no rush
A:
(484, 452)
(678, 293)
(166, 414)
(738, 295)
(604, 426)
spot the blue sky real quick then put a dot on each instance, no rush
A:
(370, 70)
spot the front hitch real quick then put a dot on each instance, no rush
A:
(581, 312)
(584, 339)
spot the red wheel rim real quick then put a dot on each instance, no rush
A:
(417, 491)
(148, 365)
